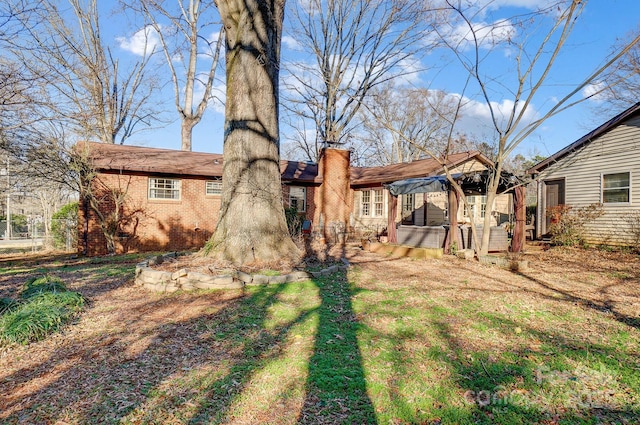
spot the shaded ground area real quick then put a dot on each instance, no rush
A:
(392, 341)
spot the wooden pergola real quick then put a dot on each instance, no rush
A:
(472, 183)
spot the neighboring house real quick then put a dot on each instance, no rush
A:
(170, 199)
(602, 167)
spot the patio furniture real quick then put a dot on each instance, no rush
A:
(530, 228)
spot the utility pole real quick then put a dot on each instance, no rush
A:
(8, 201)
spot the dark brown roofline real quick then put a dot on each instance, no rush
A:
(118, 158)
(362, 176)
(111, 158)
(613, 122)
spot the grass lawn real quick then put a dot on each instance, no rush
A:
(391, 341)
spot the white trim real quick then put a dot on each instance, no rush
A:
(177, 189)
(371, 205)
(365, 194)
(629, 188)
(297, 198)
(374, 202)
(216, 186)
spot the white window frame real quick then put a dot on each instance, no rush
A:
(372, 203)
(214, 187)
(294, 200)
(159, 185)
(408, 202)
(365, 203)
(603, 189)
(479, 209)
(377, 201)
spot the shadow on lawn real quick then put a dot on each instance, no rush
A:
(198, 370)
(556, 292)
(336, 389)
(606, 306)
(197, 358)
(521, 386)
(567, 381)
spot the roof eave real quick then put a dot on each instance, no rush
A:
(578, 144)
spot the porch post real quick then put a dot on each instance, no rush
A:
(520, 212)
(452, 235)
(391, 221)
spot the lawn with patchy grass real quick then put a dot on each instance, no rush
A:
(391, 341)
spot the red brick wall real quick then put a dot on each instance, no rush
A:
(334, 197)
(166, 225)
(155, 224)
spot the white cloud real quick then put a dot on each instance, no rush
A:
(487, 35)
(310, 6)
(143, 42)
(595, 91)
(218, 93)
(480, 8)
(409, 70)
(213, 38)
(526, 4)
(476, 116)
(291, 43)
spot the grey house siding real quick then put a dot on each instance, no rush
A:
(615, 151)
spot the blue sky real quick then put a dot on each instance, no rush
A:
(598, 28)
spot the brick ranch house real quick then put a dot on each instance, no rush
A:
(170, 200)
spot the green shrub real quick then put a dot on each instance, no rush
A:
(568, 223)
(39, 316)
(18, 221)
(36, 286)
(7, 304)
(63, 224)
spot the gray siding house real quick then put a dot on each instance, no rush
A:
(602, 167)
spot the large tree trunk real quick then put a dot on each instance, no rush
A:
(252, 226)
(186, 132)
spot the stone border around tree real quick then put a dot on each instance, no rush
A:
(185, 280)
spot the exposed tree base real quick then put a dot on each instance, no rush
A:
(244, 247)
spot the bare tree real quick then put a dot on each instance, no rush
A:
(85, 84)
(51, 195)
(17, 102)
(57, 77)
(354, 46)
(15, 81)
(622, 81)
(12, 12)
(533, 60)
(252, 226)
(420, 120)
(184, 41)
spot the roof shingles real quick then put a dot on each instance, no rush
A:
(119, 158)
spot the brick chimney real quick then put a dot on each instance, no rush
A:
(334, 197)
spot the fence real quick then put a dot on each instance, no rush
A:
(32, 235)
